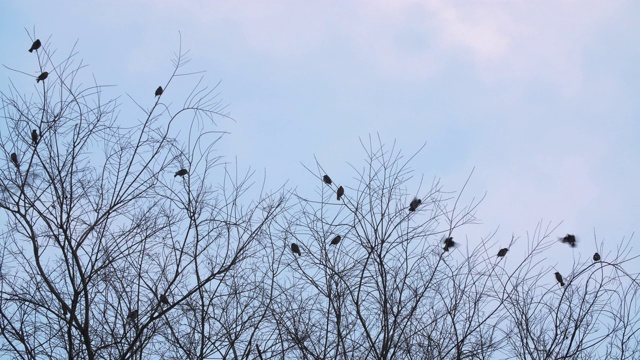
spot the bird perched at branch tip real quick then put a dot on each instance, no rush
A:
(596, 257)
(327, 179)
(35, 46)
(559, 278)
(295, 249)
(336, 240)
(569, 239)
(502, 252)
(181, 172)
(414, 204)
(164, 300)
(340, 192)
(449, 243)
(42, 76)
(14, 159)
(159, 91)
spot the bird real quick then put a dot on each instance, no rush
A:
(596, 257)
(35, 46)
(336, 240)
(42, 76)
(181, 172)
(414, 204)
(327, 179)
(34, 136)
(164, 299)
(449, 243)
(569, 239)
(14, 159)
(502, 252)
(159, 91)
(295, 249)
(559, 278)
(133, 314)
(340, 192)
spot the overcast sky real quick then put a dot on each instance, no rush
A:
(541, 98)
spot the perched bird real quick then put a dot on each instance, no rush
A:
(14, 159)
(449, 243)
(502, 252)
(181, 172)
(164, 299)
(35, 46)
(133, 314)
(569, 239)
(34, 136)
(42, 76)
(159, 91)
(336, 240)
(295, 249)
(596, 257)
(327, 179)
(414, 204)
(340, 192)
(559, 278)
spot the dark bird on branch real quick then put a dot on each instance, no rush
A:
(449, 243)
(133, 314)
(327, 179)
(35, 46)
(502, 252)
(181, 172)
(14, 159)
(164, 300)
(340, 192)
(596, 257)
(414, 204)
(34, 136)
(159, 91)
(295, 249)
(569, 239)
(336, 240)
(559, 278)
(42, 76)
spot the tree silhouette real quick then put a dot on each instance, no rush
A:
(98, 237)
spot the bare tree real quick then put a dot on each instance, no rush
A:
(404, 282)
(111, 249)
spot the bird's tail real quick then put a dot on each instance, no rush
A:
(31, 50)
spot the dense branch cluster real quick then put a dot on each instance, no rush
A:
(137, 241)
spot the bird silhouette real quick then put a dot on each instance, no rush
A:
(295, 249)
(133, 314)
(34, 136)
(159, 91)
(502, 252)
(596, 257)
(340, 192)
(414, 204)
(449, 243)
(336, 240)
(181, 172)
(35, 46)
(164, 300)
(327, 179)
(14, 159)
(569, 239)
(42, 76)
(559, 278)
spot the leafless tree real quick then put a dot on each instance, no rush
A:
(405, 282)
(107, 253)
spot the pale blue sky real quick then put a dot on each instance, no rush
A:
(542, 98)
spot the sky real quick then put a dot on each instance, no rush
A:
(539, 98)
